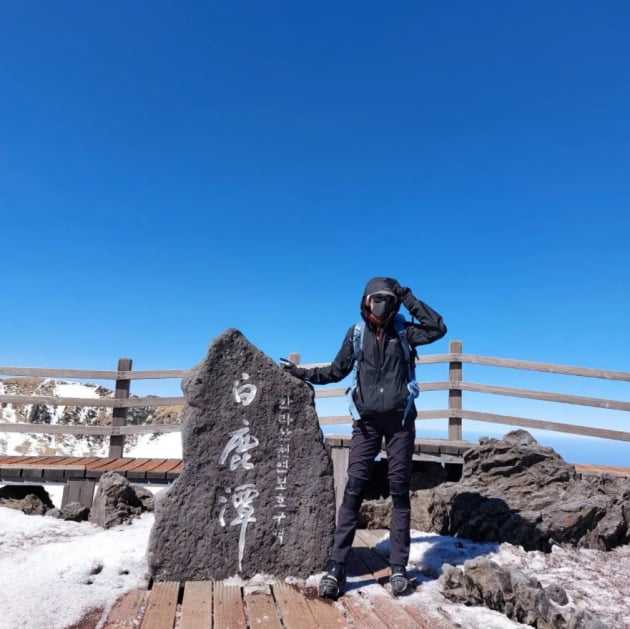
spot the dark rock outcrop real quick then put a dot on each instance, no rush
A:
(508, 590)
(377, 505)
(74, 512)
(30, 499)
(515, 490)
(145, 496)
(256, 493)
(115, 501)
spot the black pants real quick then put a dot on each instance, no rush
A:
(367, 437)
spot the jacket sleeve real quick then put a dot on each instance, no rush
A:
(430, 328)
(338, 369)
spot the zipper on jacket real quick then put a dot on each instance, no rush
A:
(379, 354)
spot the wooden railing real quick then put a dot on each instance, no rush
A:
(454, 411)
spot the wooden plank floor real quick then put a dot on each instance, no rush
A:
(367, 604)
(59, 468)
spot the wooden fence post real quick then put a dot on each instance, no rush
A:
(455, 395)
(119, 415)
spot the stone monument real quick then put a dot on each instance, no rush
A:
(256, 492)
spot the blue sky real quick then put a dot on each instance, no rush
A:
(169, 170)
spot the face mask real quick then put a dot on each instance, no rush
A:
(382, 306)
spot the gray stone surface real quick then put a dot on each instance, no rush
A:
(256, 493)
(115, 501)
(508, 590)
(74, 512)
(515, 490)
(145, 496)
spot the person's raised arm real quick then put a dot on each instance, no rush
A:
(431, 326)
(335, 371)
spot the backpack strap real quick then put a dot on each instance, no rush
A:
(412, 386)
(357, 346)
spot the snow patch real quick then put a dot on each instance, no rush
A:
(75, 389)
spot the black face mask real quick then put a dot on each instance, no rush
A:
(382, 306)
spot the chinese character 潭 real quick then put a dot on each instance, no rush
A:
(241, 500)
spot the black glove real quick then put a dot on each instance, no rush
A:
(405, 296)
(293, 369)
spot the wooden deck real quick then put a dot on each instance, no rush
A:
(582, 468)
(80, 474)
(431, 450)
(367, 604)
(60, 469)
(40, 469)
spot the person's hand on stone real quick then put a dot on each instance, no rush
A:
(292, 368)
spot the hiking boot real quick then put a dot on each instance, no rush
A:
(331, 585)
(400, 581)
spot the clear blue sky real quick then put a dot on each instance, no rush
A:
(169, 170)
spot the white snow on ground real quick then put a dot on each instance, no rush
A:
(75, 389)
(594, 580)
(10, 441)
(165, 446)
(52, 573)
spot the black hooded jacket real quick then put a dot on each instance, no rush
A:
(382, 370)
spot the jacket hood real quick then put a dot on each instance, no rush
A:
(380, 285)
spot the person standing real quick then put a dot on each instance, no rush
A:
(381, 403)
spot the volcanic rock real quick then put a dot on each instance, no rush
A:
(481, 581)
(515, 490)
(115, 501)
(256, 492)
(74, 512)
(30, 499)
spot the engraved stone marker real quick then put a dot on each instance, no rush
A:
(256, 493)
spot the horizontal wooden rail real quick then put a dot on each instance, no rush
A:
(152, 400)
(542, 396)
(83, 374)
(529, 365)
(24, 427)
(78, 429)
(543, 424)
(140, 402)
(586, 372)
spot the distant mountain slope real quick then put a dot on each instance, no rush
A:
(69, 445)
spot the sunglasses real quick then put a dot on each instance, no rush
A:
(378, 297)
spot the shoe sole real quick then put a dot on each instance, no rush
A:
(329, 593)
(408, 589)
